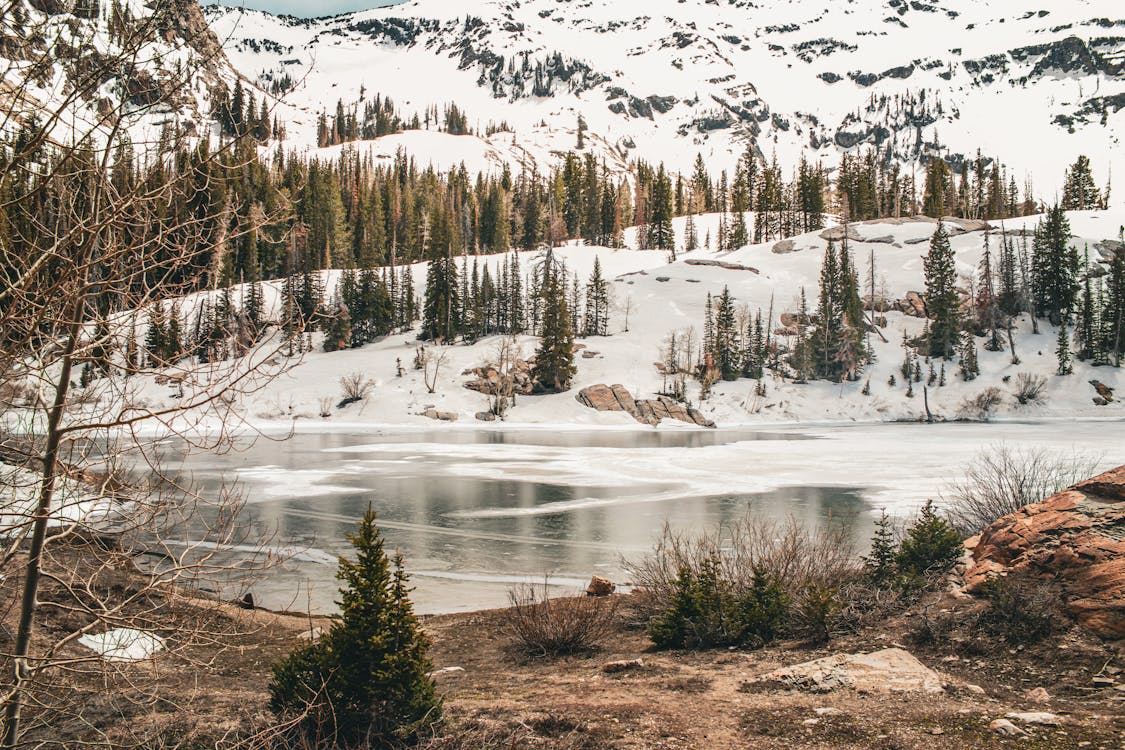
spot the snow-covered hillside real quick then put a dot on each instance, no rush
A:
(665, 79)
(659, 297)
(87, 68)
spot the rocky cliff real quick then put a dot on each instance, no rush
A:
(1077, 538)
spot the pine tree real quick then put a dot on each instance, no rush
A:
(554, 360)
(367, 679)
(1055, 266)
(440, 316)
(930, 546)
(1062, 350)
(597, 302)
(660, 233)
(337, 329)
(1080, 192)
(942, 303)
(881, 562)
(725, 346)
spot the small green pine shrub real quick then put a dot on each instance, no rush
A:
(705, 610)
(815, 611)
(930, 548)
(366, 680)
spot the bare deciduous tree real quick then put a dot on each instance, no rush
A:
(101, 538)
(431, 367)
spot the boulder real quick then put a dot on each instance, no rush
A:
(1076, 538)
(647, 411)
(720, 264)
(441, 416)
(600, 587)
(785, 246)
(837, 234)
(1005, 728)
(912, 304)
(891, 670)
(1105, 393)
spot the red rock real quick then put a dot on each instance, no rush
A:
(1077, 538)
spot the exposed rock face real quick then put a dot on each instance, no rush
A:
(720, 264)
(912, 305)
(891, 670)
(489, 380)
(600, 587)
(1077, 538)
(648, 411)
(441, 416)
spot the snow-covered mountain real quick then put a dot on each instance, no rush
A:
(665, 79)
(86, 67)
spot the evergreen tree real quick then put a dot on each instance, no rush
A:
(930, 547)
(881, 562)
(442, 304)
(1080, 192)
(661, 236)
(554, 360)
(367, 679)
(1062, 350)
(942, 303)
(725, 345)
(1055, 266)
(597, 302)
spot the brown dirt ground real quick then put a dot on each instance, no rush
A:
(699, 700)
(504, 699)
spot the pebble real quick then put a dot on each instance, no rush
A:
(1006, 728)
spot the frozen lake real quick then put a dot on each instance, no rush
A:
(475, 511)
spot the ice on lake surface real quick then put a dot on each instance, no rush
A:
(475, 511)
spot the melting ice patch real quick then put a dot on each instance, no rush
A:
(275, 482)
(124, 644)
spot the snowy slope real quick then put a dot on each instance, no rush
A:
(665, 79)
(662, 297)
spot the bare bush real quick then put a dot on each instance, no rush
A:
(1029, 388)
(981, 406)
(325, 407)
(543, 626)
(1023, 608)
(789, 552)
(355, 388)
(1001, 480)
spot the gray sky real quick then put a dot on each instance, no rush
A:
(309, 8)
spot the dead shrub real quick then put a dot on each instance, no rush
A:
(1000, 480)
(1029, 388)
(1023, 608)
(355, 388)
(543, 626)
(981, 406)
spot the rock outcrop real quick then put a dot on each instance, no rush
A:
(647, 411)
(1076, 538)
(891, 670)
(725, 265)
